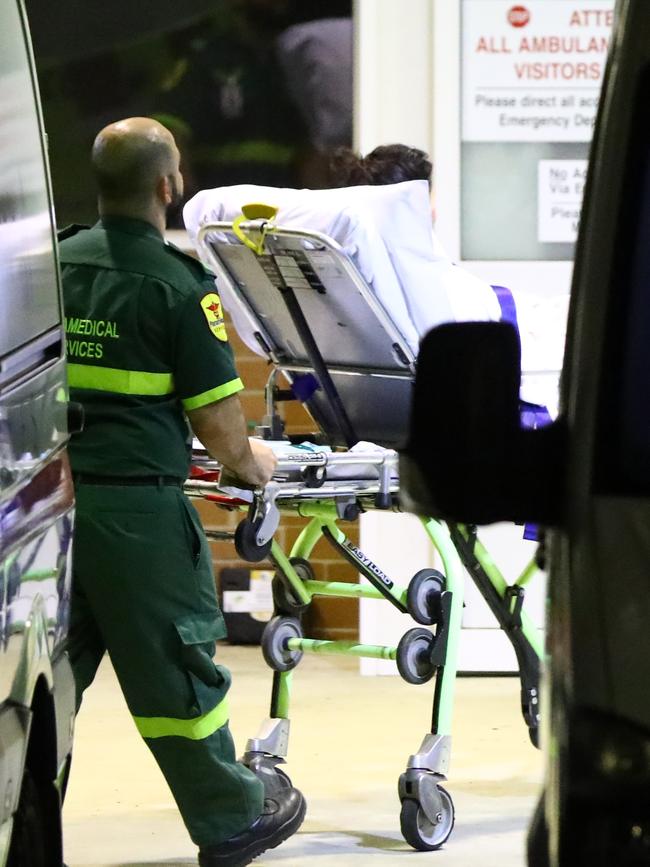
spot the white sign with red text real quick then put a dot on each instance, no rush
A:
(532, 71)
(560, 187)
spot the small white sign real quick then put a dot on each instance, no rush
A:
(560, 187)
(532, 71)
(256, 601)
(236, 602)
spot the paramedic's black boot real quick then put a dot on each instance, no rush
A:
(281, 817)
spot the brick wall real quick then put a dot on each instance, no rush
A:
(326, 618)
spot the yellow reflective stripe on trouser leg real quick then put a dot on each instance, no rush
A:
(138, 382)
(194, 729)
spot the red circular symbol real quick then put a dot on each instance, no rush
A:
(519, 16)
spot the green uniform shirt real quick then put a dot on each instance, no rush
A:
(145, 340)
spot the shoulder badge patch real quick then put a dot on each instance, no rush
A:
(213, 311)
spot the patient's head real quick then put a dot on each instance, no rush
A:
(386, 164)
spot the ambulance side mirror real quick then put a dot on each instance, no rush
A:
(467, 458)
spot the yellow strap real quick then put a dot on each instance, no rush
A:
(255, 212)
(193, 729)
(243, 237)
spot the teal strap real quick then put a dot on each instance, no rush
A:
(195, 729)
(119, 381)
(213, 395)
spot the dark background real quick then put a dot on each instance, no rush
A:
(207, 70)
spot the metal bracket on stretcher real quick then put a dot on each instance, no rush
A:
(339, 477)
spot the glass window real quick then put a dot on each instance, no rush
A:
(255, 91)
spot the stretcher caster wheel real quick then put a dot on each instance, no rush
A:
(423, 596)
(246, 542)
(276, 634)
(417, 828)
(414, 656)
(285, 601)
(303, 568)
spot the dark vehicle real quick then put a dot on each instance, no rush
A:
(36, 494)
(587, 477)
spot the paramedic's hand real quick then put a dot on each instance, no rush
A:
(265, 459)
(221, 427)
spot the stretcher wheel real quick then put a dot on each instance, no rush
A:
(417, 828)
(277, 633)
(423, 596)
(246, 542)
(414, 656)
(303, 568)
(285, 601)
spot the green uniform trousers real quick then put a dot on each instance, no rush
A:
(143, 589)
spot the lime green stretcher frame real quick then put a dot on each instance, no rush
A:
(322, 516)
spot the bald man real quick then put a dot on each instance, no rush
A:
(147, 353)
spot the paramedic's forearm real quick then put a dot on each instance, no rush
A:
(221, 427)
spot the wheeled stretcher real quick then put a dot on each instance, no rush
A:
(323, 330)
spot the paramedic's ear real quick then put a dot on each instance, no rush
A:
(164, 191)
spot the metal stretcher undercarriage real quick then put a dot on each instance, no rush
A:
(322, 329)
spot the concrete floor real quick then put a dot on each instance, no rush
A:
(351, 738)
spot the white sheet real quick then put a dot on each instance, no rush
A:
(386, 231)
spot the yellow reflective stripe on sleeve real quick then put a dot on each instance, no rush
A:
(214, 394)
(193, 729)
(136, 382)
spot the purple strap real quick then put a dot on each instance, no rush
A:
(532, 415)
(507, 304)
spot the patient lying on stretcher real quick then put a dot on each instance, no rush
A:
(469, 297)
(540, 321)
(386, 230)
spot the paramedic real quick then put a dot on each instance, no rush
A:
(148, 352)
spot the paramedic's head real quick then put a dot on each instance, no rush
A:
(137, 170)
(386, 164)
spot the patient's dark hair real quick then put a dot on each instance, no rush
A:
(386, 164)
